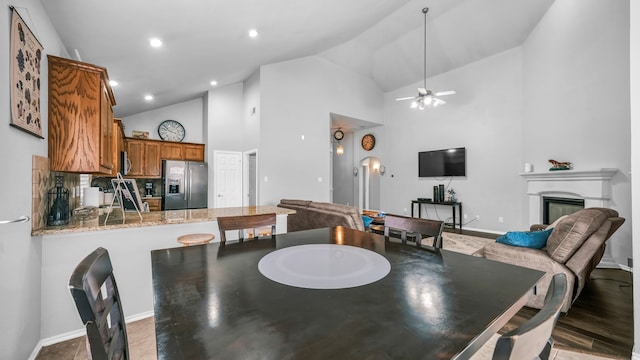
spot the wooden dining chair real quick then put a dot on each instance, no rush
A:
(246, 222)
(416, 227)
(532, 340)
(94, 290)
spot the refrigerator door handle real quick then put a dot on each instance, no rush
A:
(190, 182)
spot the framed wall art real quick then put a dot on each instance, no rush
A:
(26, 58)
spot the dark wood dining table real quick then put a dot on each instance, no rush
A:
(212, 302)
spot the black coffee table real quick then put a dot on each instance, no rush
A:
(211, 302)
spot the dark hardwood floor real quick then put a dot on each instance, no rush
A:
(599, 322)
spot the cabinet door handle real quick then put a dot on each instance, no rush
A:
(21, 219)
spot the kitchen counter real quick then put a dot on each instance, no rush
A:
(118, 220)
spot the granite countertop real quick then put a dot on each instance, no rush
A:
(116, 219)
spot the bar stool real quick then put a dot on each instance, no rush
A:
(195, 239)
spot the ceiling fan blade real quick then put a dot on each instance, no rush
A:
(405, 98)
(422, 91)
(444, 93)
(438, 102)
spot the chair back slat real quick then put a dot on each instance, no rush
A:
(95, 292)
(533, 338)
(245, 222)
(420, 228)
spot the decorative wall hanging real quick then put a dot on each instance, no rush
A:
(26, 55)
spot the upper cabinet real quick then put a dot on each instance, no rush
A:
(146, 155)
(118, 146)
(80, 118)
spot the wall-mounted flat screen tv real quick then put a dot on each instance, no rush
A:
(445, 162)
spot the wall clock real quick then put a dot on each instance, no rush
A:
(171, 130)
(368, 142)
(338, 135)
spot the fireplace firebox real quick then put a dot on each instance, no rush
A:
(555, 207)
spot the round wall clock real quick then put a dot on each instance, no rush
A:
(368, 142)
(171, 130)
(338, 135)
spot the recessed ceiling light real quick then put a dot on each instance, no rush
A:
(148, 97)
(113, 83)
(253, 33)
(155, 42)
(213, 83)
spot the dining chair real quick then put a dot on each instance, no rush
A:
(532, 340)
(246, 222)
(94, 290)
(417, 227)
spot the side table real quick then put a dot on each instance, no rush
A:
(444, 203)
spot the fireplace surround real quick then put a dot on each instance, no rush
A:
(593, 187)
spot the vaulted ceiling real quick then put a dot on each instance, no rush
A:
(207, 40)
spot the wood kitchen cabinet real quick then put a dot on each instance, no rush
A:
(144, 156)
(182, 151)
(155, 204)
(80, 117)
(118, 146)
(194, 152)
(172, 151)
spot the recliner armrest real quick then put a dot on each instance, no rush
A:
(533, 259)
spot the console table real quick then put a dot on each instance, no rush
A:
(444, 203)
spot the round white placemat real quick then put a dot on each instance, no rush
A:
(324, 266)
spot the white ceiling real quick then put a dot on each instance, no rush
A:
(207, 40)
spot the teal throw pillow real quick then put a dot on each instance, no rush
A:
(530, 239)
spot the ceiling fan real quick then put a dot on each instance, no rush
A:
(425, 96)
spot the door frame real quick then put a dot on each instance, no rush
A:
(246, 174)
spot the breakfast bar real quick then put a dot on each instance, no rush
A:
(129, 241)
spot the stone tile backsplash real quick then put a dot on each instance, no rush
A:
(42, 181)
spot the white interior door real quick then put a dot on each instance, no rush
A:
(228, 178)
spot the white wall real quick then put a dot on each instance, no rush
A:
(485, 116)
(296, 99)
(576, 97)
(188, 113)
(634, 62)
(251, 112)
(20, 254)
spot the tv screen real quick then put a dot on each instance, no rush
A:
(446, 162)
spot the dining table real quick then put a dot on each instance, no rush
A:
(330, 293)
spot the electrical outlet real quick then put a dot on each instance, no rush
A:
(477, 217)
(465, 216)
(405, 211)
(500, 219)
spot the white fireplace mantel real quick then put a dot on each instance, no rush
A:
(594, 186)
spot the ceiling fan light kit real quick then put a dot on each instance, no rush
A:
(426, 97)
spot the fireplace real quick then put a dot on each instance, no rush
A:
(555, 207)
(592, 188)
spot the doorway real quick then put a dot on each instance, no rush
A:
(250, 180)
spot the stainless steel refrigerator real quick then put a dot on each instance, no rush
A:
(184, 184)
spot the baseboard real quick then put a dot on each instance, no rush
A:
(78, 333)
(482, 230)
(626, 268)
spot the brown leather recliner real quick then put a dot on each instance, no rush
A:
(575, 247)
(314, 215)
